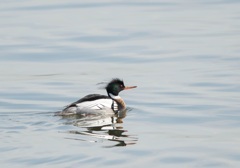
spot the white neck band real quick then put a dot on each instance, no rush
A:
(114, 97)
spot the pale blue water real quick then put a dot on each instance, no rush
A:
(182, 55)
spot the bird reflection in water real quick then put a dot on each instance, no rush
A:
(102, 127)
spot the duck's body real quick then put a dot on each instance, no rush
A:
(95, 103)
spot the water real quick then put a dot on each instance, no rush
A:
(182, 55)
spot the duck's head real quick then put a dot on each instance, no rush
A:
(116, 85)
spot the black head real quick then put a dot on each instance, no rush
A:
(116, 85)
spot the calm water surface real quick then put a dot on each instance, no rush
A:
(182, 55)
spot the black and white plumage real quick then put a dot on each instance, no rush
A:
(96, 103)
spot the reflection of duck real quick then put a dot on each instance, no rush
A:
(102, 127)
(96, 103)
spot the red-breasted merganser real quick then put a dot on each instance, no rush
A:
(95, 103)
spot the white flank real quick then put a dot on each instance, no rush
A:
(96, 104)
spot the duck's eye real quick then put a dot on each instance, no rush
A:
(121, 86)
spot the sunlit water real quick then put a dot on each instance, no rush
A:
(182, 55)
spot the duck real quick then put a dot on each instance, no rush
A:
(97, 103)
